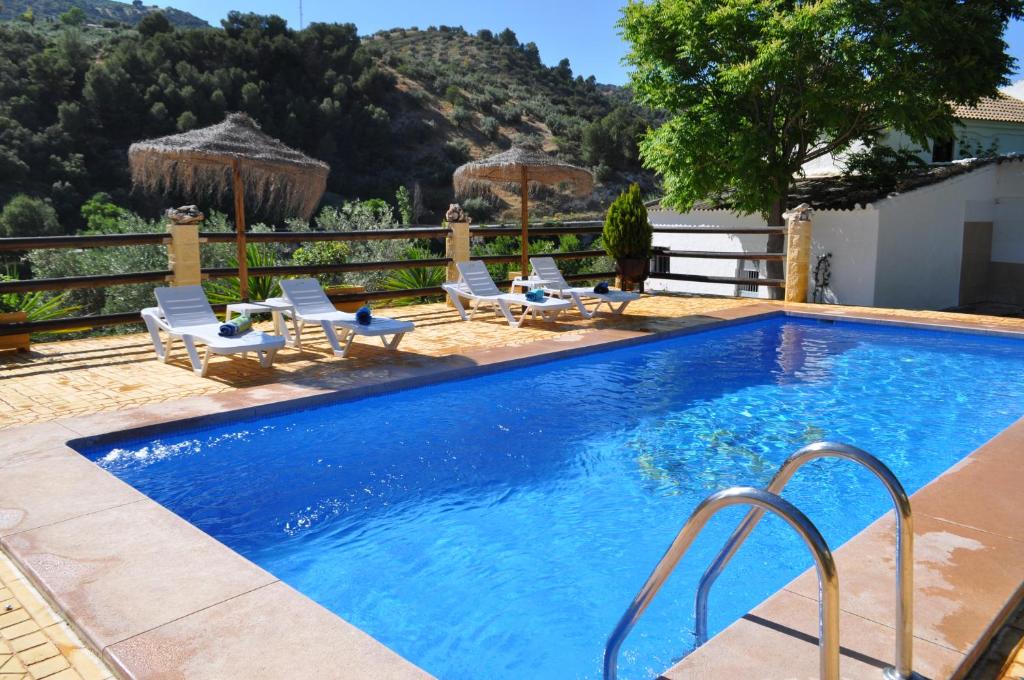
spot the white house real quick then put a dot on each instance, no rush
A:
(994, 126)
(954, 235)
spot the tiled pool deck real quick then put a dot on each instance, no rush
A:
(185, 606)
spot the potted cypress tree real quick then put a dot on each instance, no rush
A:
(627, 237)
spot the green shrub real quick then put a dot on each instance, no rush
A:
(324, 252)
(490, 127)
(100, 213)
(479, 208)
(27, 216)
(627, 232)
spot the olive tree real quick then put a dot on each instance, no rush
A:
(754, 89)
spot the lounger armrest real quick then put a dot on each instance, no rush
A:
(152, 315)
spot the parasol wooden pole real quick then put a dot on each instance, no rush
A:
(524, 197)
(243, 260)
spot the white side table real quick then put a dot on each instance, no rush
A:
(528, 283)
(276, 307)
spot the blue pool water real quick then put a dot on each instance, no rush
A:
(498, 526)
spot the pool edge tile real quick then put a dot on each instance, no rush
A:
(127, 569)
(268, 631)
(778, 640)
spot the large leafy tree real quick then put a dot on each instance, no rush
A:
(757, 88)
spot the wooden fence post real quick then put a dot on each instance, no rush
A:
(798, 252)
(183, 255)
(456, 247)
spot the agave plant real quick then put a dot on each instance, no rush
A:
(37, 306)
(226, 291)
(414, 277)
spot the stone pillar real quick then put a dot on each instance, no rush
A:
(798, 252)
(456, 247)
(183, 254)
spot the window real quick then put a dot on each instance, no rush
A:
(942, 151)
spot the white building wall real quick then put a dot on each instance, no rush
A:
(1008, 222)
(852, 238)
(850, 235)
(730, 243)
(905, 251)
(920, 240)
(974, 137)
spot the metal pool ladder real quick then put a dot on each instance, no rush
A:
(761, 501)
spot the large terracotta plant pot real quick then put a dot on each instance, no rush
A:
(18, 342)
(633, 271)
(346, 290)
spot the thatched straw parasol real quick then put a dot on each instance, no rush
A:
(235, 154)
(523, 166)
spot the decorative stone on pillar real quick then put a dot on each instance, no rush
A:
(798, 252)
(183, 246)
(456, 244)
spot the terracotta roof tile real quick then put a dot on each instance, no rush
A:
(1002, 107)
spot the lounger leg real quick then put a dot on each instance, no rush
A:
(348, 343)
(166, 354)
(206, 363)
(158, 342)
(332, 337)
(457, 303)
(193, 355)
(620, 309)
(582, 307)
(267, 357)
(393, 342)
(506, 311)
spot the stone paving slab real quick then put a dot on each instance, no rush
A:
(36, 643)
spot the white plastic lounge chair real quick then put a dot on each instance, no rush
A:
(546, 269)
(313, 306)
(476, 285)
(184, 312)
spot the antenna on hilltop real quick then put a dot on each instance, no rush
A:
(300, 15)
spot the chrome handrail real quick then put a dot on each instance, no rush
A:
(903, 668)
(828, 579)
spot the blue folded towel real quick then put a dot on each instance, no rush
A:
(535, 295)
(237, 326)
(601, 288)
(364, 315)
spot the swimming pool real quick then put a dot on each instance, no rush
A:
(498, 526)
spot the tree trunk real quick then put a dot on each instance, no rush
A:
(776, 243)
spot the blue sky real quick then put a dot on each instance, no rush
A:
(582, 30)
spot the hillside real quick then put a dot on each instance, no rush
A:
(402, 108)
(482, 93)
(97, 11)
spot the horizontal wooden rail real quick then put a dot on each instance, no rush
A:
(736, 280)
(93, 241)
(71, 324)
(388, 294)
(718, 230)
(539, 230)
(720, 255)
(296, 270)
(159, 238)
(95, 281)
(307, 236)
(575, 255)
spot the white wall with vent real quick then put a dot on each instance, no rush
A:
(850, 235)
(903, 251)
